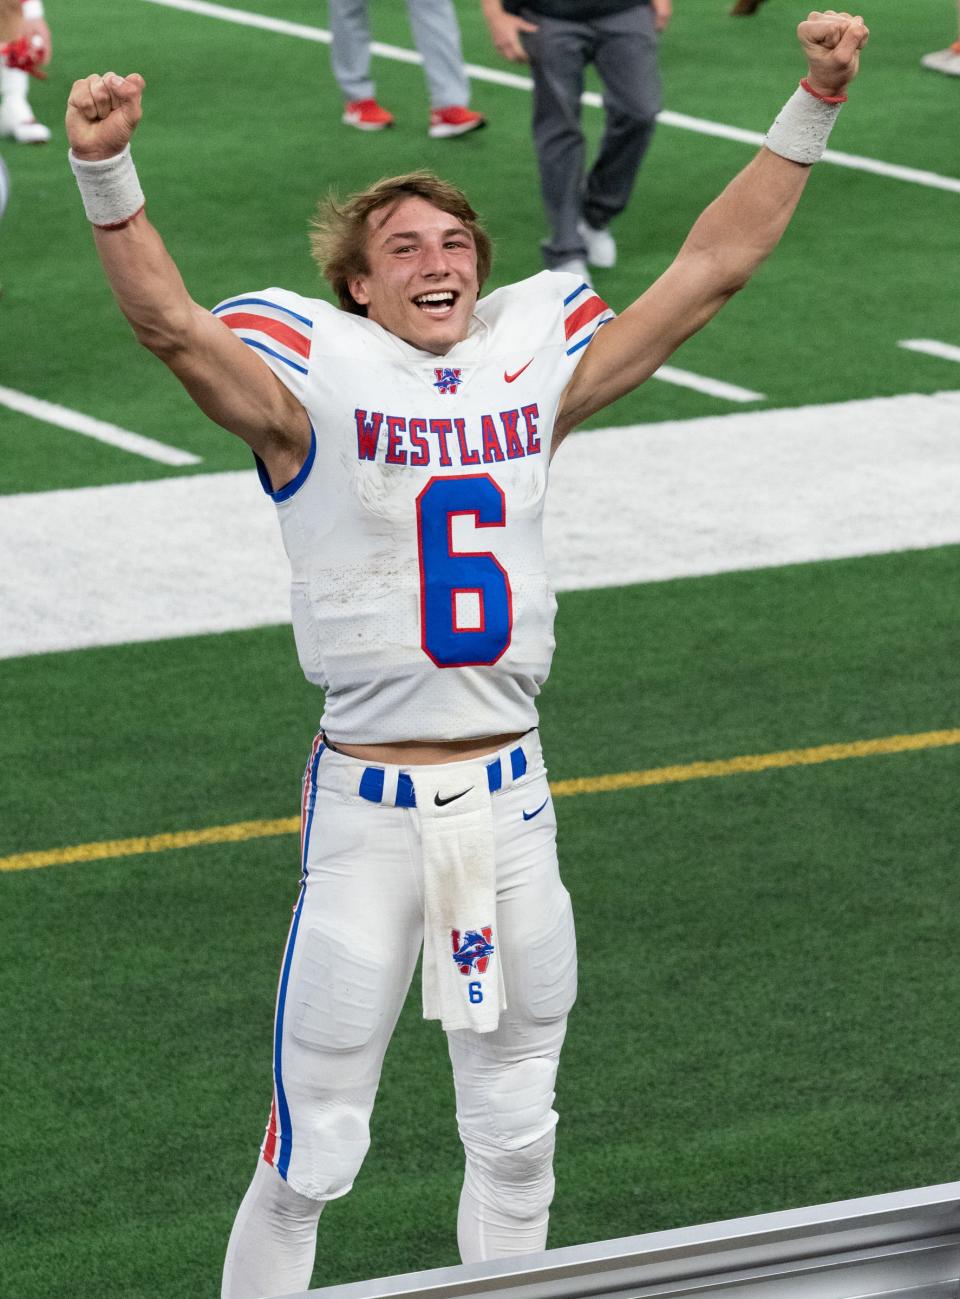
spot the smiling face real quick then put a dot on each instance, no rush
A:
(422, 282)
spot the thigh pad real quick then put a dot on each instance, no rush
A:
(545, 967)
(340, 993)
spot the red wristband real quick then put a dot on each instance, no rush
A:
(824, 99)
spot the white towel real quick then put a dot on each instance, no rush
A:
(462, 973)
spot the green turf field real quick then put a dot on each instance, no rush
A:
(768, 978)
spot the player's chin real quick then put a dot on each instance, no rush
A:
(439, 334)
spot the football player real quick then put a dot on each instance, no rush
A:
(405, 437)
(10, 35)
(26, 51)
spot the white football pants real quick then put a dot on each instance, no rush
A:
(350, 956)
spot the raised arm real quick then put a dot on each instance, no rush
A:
(226, 380)
(731, 238)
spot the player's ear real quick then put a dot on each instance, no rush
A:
(358, 290)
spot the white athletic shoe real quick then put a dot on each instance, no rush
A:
(601, 246)
(17, 122)
(947, 61)
(575, 266)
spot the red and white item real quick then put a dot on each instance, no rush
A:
(20, 60)
(26, 55)
(367, 115)
(802, 127)
(455, 120)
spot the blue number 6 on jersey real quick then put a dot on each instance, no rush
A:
(446, 573)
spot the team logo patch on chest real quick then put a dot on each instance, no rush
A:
(474, 951)
(447, 381)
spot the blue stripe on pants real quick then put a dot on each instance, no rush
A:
(283, 1109)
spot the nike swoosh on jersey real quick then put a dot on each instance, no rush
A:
(528, 816)
(509, 378)
(442, 802)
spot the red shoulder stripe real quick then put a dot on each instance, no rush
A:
(592, 308)
(267, 325)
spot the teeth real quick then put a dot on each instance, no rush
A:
(433, 297)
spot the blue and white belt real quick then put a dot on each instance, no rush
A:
(503, 769)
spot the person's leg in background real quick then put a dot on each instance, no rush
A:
(30, 48)
(350, 61)
(436, 34)
(559, 51)
(626, 59)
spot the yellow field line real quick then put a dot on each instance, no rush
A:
(754, 762)
(236, 833)
(748, 763)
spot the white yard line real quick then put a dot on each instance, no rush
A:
(497, 77)
(931, 347)
(712, 387)
(891, 170)
(750, 489)
(136, 443)
(246, 19)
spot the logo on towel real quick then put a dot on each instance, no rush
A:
(475, 950)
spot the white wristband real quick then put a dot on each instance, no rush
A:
(110, 189)
(801, 128)
(31, 9)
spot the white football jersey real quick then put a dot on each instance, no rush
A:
(420, 597)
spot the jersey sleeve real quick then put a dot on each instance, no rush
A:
(584, 311)
(278, 326)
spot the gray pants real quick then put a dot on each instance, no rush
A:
(623, 48)
(435, 34)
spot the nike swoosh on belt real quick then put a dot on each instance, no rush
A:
(442, 802)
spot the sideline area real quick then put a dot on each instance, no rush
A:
(500, 77)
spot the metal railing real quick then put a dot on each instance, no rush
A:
(903, 1244)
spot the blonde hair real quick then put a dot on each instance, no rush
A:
(339, 231)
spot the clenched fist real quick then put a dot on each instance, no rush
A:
(102, 114)
(832, 43)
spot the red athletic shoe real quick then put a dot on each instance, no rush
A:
(367, 115)
(455, 120)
